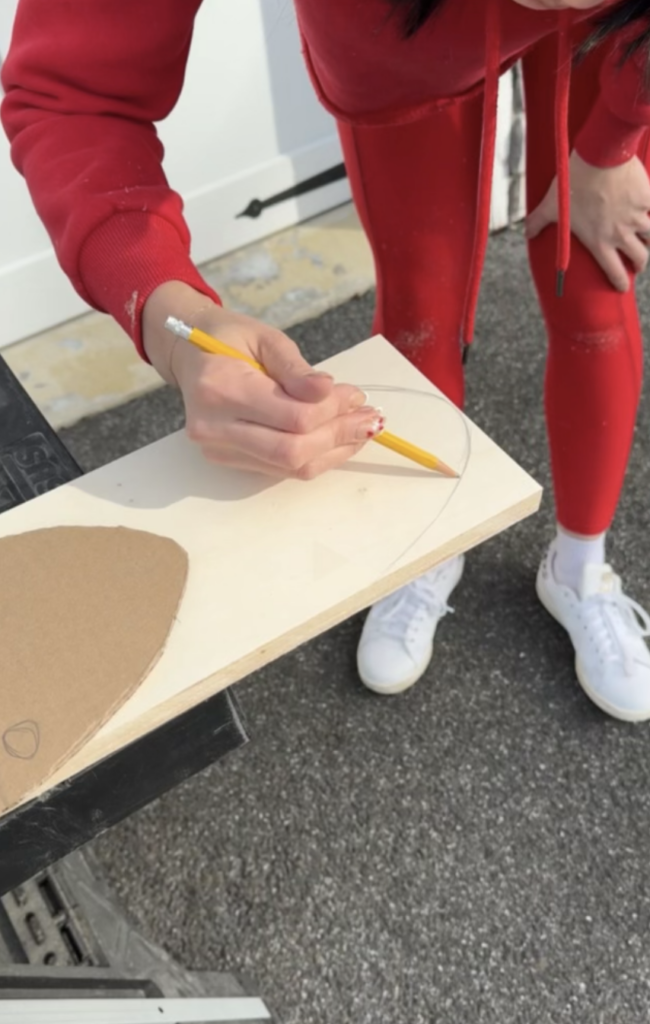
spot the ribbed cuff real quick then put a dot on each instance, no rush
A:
(606, 140)
(126, 258)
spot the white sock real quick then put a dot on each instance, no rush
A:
(573, 553)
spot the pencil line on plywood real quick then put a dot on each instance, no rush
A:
(460, 468)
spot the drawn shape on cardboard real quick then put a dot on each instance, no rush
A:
(22, 740)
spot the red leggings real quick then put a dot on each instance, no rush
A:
(415, 187)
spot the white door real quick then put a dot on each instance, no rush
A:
(247, 129)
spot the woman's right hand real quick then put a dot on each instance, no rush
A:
(291, 422)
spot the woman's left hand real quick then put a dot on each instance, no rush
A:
(609, 214)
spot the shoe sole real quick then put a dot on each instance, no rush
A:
(404, 684)
(610, 709)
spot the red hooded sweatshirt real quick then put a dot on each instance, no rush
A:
(85, 80)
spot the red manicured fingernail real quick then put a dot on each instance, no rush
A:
(376, 426)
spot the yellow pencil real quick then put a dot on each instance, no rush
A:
(219, 348)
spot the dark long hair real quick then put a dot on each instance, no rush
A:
(622, 15)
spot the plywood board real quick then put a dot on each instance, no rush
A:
(274, 564)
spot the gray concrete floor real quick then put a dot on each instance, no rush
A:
(474, 851)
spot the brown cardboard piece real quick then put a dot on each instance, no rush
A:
(85, 613)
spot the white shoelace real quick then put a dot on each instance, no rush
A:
(403, 614)
(607, 617)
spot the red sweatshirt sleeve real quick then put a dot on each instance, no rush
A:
(621, 114)
(85, 80)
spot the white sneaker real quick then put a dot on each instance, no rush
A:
(397, 639)
(607, 630)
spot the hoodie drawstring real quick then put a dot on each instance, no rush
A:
(486, 168)
(488, 149)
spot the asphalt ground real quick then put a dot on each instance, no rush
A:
(473, 851)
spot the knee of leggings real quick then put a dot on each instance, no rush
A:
(580, 340)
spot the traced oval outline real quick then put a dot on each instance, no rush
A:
(28, 726)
